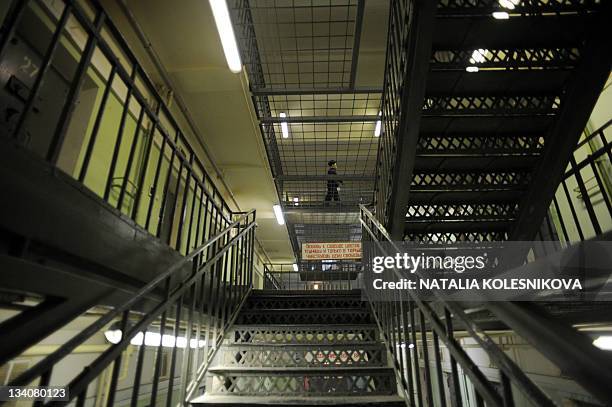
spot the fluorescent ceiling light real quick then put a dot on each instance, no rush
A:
(378, 126)
(472, 69)
(295, 267)
(284, 126)
(501, 15)
(278, 212)
(226, 34)
(152, 339)
(603, 342)
(509, 4)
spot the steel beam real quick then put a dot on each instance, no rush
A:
(419, 54)
(321, 119)
(313, 91)
(580, 98)
(356, 41)
(302, 178)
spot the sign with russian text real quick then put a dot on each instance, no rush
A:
(331, 251)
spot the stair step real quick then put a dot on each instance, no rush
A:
(302, 382)
(274, 302)
(309, 356)
(303, 334)
(305, 293)
(356, 401)
(305, 316)
(289, 371)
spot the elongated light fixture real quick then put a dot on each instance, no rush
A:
(295, 267)
(284, 126)
(226, 34)
(378, 126)
(278, 212)
(603, 342)
(152, 339)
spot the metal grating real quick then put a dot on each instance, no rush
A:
(306, 43)
(301, 60)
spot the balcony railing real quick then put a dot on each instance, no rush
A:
(75, 94)
(313, 276)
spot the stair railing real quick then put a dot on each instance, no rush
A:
(412, 327)
(189, 314)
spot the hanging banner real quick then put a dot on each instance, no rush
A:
(331, 251)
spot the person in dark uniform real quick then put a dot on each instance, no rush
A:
(332, 184)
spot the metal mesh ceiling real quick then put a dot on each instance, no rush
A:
(301, 58)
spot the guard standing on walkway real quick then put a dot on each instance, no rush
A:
(332, 184)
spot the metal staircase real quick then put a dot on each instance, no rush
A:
(298, 348)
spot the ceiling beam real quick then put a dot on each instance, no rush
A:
(313, 91)
(325, 178)
(321, 119)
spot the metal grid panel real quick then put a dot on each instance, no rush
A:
(301, 43)
(301, 58)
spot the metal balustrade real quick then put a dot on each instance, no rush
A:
(312, 276)
(191, 318)
(413, 330)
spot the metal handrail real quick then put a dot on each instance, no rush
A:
(587, 360)
(78, 385)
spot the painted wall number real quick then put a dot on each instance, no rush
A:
(28, 67)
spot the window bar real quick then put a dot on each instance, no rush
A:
(138, 373)
(154, 186)
(46, 63)
(188, 177)
(128, 166)
(425, 357)
(414, 341)
(45, 378)
(407, 354)
(506, 390)
(456, 390)
(601, 186)
(117, 363)
(119, 139)
(81, 398)
(65, 117)
(560, 217)
(438, 362)
(140, 187)
(572, 209)
(96, 126)
(585, 197)
(192, 224)
(158, 358)
(162, 209)
(11, 20)
(198, 333)
(177, 334)
(185, 364)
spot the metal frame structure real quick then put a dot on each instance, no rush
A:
(403, 318)
(477, 120)
(302, 63)
(221, 275)
(182, 207)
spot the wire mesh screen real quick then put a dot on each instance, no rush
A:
(301, 58)
(300, 42)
